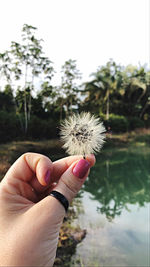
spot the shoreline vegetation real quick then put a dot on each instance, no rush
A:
(69, 236)
(9, 152)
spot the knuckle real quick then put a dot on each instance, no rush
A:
(46, 158)
(40, 156)
(71, 185)
(26, 155)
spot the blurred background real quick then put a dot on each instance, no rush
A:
(65, 56)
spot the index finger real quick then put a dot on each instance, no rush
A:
(29, 165)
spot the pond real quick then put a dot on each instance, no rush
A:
(114, 208)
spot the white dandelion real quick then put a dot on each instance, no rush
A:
(82, 134)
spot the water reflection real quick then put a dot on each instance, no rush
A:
(120, 178)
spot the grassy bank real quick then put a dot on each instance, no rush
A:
(9, 152)
(134, 138)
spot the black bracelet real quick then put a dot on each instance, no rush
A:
(61, 198)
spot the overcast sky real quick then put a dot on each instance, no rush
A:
(90, 31)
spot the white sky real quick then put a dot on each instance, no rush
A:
(90, 31)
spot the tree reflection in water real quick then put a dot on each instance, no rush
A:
(119, 178)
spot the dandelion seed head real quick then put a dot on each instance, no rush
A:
(82, 134)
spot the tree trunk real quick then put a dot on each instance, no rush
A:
(61, 108)
(29, 104)
(71, 106)
(29, 107)
(143, 110)
(107, 106)
(25, 102)
(32, 86)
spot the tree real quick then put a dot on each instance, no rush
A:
(103, 85)
(26, 61)
(119, 90)
(133, 91)
(146, 98)
(68, 87)
(48, 96)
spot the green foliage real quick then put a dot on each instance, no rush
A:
(118, 90)
(68, 87)
(26, 62)
(135, 123)
(145, 139)
(9, 127)
(116, 123)
(42, 129)
(6, 99)
(120, 123)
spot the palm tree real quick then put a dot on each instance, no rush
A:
(102, 87)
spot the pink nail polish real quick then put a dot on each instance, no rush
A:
(81, 168)
(47, 177)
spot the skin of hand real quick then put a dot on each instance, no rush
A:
(30, 219)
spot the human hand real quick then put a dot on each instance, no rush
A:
(30, 219)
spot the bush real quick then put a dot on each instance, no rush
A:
(119, 123)
(10, 128)
(116, 123)
(42, 129)
(135, 123)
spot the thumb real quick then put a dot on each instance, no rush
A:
(69, 184)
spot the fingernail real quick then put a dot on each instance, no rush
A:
(81, 168)
(47, 177)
